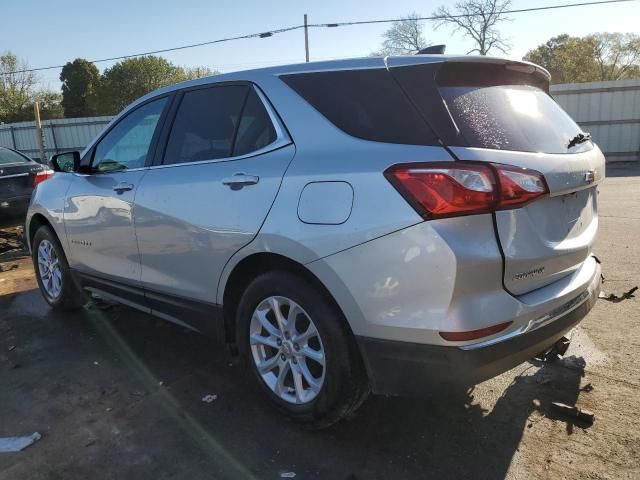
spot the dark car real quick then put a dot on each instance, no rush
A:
(18, 177)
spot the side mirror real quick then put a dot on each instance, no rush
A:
(66, 162)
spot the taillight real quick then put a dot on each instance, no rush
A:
(449, 189)
(42, 176)
(519, 186)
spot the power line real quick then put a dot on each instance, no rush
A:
(321, 25)
(468, 15)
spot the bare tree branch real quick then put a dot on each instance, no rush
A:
(479, 20)
(403, 37)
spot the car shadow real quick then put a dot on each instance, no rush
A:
(159, 374)
(446, 436)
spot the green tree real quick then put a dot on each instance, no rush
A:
(568, 59)
(191, 73)
(403, 37)
(17, 89)
(80, 81)
(479, 20)
(597, 57)
(132, 78)
(50, 104)
(617, 55)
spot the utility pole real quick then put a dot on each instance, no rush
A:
(306, 38)
(39, 133)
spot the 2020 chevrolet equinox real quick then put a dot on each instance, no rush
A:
(395, 225)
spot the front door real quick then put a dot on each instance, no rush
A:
(98, 214)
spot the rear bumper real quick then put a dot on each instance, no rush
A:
(403, 368)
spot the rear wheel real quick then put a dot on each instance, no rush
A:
(300, 350)
(57, 285)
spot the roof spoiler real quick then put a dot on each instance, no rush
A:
(433, 50)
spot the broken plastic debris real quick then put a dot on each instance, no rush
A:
(612, 297)
(582, 416)
(209, 398)
(287, 474)
(16, 444)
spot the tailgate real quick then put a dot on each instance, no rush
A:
(500, 112)
(551, 237)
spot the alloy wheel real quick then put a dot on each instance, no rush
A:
(287, 350)
(49, 269)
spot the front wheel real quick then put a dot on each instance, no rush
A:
(57, 285)
(300, 349)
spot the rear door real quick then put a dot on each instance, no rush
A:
(225, 155)
(501, 112)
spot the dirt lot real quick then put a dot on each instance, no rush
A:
(117, 394)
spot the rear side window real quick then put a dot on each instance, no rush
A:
(205, 124)
(367, 104)
(255, 130)
(8, 157)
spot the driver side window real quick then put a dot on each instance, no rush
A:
(126, 146)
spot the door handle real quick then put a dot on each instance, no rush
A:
(122, 187)
(239, 180)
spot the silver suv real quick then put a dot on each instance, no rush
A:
(396, 225)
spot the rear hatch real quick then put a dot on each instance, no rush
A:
(500, 112)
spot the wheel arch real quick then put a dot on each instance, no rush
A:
(252, 266)
(37, 221)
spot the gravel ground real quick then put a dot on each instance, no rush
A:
(118, 394)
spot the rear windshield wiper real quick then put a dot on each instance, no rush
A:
(579, 138)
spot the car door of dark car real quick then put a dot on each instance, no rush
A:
(17, 174)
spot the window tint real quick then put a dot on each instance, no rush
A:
(364, 103)
(205, 124)
(127, 145)
(255, 130)
(9, 156)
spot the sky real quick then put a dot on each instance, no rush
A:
(45, 33)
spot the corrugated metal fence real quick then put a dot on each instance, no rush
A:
(59, 135)
(609, 110)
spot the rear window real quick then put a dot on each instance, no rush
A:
(511, 117)
(367, 104)
(490, 106)
(8, 157)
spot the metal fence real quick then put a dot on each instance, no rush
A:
(59, 135)
(609, 110)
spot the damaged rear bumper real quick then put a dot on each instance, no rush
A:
(403, 368)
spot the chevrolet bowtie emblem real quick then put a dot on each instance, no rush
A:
(590, 176)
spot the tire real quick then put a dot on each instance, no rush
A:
(339, 387)
(64, 293)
